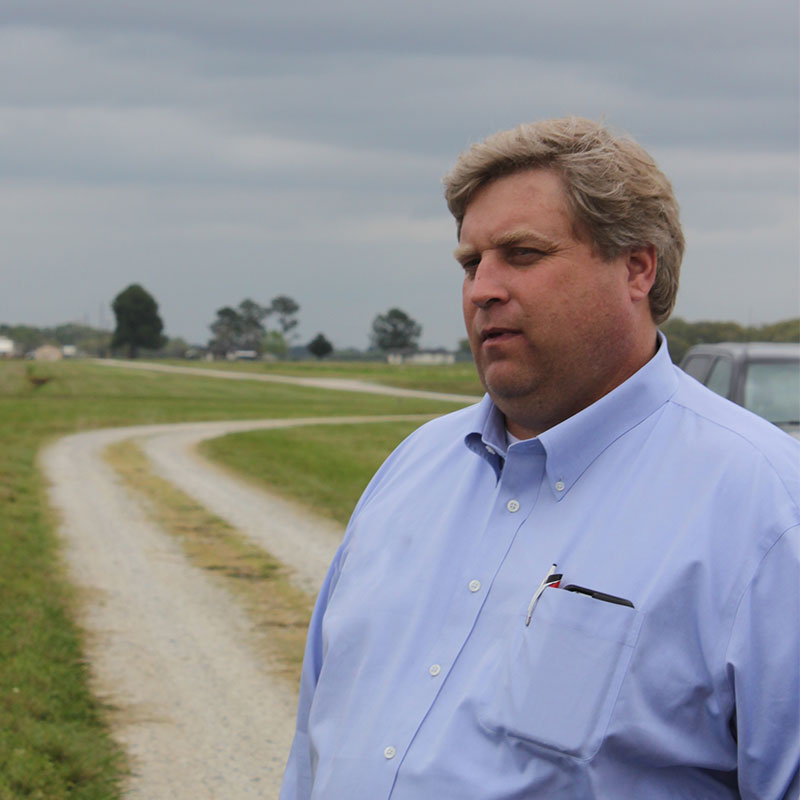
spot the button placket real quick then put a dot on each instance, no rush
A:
(515, 493)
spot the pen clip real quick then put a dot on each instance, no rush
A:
(551, 579)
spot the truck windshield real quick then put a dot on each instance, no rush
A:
(772, 389)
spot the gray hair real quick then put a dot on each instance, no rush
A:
(618, 197)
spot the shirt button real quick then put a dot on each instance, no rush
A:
(474, 586)
(434, 669)
(512, 506)
(559, 486)
(490, 450)
(389, 752)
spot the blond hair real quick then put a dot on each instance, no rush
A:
(618, 197)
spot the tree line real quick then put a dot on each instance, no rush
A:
(271, 329)
(87, 339)
(250, 326)
(681, 335)
(245, 329)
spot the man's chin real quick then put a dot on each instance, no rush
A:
(506, 384)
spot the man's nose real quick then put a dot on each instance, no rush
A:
(488, 284)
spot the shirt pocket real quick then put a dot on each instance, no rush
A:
(558, 681)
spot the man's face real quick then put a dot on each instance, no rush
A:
(551, 325)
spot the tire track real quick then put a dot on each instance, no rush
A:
(198, 712)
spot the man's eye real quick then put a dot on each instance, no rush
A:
(524, 255)
(470, 264)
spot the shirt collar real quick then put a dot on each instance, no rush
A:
(572, 445)
(488, 435)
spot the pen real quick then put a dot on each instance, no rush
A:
(608, 598)
(551, 579)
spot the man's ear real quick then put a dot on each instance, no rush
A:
(641, 263)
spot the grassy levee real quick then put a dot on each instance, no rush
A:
(458, 378)
(318, 466)
(54, 741)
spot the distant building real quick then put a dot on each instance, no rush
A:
(69, 351)
(6, 347)
(47, 352)
(437, 356)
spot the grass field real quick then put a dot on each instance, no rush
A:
(456, 378)
(329, 465)
(53, 741)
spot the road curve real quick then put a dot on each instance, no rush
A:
(289, 531)
(198, 712)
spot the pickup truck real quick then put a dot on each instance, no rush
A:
(764, 377)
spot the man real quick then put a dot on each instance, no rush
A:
(585, 586)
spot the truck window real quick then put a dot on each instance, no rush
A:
(697, 367)
(772, 389)
(719, 380)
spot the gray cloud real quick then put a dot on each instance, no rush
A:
(218, 151)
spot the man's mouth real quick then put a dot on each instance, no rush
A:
(497, 334)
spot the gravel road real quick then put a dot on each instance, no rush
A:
(197, 709)
(199, 713)
(289, 531)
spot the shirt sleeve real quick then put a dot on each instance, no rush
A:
(297, 777)
(764, 662)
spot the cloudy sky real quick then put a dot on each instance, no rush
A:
(214, 151)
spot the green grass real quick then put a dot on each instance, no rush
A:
(53, 738)
(458, 378)
(327, 465)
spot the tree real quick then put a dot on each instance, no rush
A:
(227, 330)
(239, 328)
(786, 331)
(273, 342)
(286, 309)
(138, 322)
(252, 317)
(320, 346)
(395, 330)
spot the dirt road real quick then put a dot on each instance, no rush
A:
(198, 711)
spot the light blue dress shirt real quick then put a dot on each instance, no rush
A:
(422, 681)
